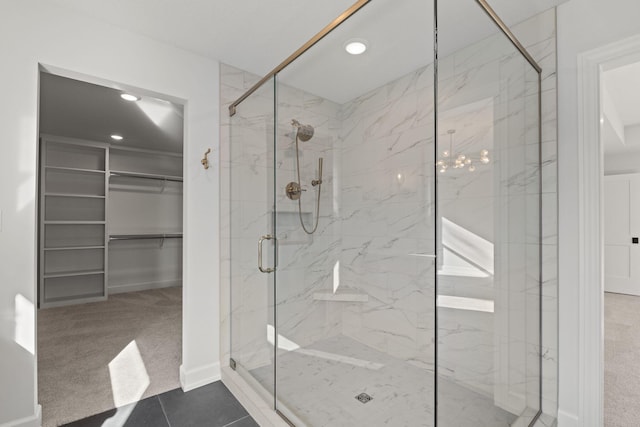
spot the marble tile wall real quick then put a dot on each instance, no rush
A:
(490, 223)
(387, 203)
(391, 134)
(377, 218)
(306, 261)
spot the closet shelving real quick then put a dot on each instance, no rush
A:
(73, 201)
(107, 209)
(145, 187)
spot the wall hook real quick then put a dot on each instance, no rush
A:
(205, 160)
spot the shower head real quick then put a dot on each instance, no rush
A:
(304, 132)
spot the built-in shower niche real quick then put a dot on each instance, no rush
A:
(288, 227)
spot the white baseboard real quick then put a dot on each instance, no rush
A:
(194, 378)
(34, 420)
(134, 287)
(567, 420)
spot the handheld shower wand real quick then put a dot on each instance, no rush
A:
(294, 189)
(319, 180)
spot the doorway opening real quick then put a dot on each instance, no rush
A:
(110, 247)
(620, 141)
(590, 259)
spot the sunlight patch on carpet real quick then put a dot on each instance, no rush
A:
(129, 378)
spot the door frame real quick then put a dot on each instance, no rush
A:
(591, 226)
(86, 78)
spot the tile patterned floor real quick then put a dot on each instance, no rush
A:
(211, 405)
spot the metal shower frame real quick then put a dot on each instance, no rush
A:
(484, 5)
(346, 15)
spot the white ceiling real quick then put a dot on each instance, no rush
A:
(86, 111)
(623, 85)
(257, 35)
(254, 35)
(621, 105)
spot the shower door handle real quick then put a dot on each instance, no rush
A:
(268, 269)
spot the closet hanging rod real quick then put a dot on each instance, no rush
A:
(144, 236)
(146, 176)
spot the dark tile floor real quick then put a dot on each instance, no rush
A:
(212, 405)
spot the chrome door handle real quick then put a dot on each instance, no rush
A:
(268, 269)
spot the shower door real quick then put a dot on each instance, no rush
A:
(252, 242)
(355, 298)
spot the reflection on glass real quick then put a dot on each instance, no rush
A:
(488, 334)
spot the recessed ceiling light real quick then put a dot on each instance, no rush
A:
(355, 46)
(129, 97)
(116, 137)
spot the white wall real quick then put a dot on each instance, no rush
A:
(583, 25)
(32, 32)
(618, 163)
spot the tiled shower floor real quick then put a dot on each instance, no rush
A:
(319, 385)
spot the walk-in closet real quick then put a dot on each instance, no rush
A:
(110, 246)
(111, 220)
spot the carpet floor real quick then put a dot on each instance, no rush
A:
(622, 357)
(99, 356)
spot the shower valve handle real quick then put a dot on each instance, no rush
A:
(294, 190)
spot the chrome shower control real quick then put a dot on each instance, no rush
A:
(293, 190)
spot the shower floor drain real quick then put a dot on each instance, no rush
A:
(364, 397)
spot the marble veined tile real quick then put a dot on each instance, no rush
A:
(319, 384)
(377, 206)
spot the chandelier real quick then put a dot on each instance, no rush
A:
(455, 160)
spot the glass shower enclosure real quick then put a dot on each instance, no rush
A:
(385, 223)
